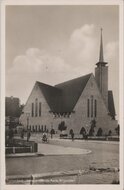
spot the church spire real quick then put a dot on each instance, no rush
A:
(101, 58)
(101, 73)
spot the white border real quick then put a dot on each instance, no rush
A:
(121, 91)
(2, 99)
(62, 2)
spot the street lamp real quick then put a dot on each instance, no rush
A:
(27, 115)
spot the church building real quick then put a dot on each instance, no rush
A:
(78, 103)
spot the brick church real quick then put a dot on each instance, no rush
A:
(77, 102)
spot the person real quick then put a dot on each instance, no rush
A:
(22, 133)
(44, 138)
(11, 134)
(86, 136)
(52, 132)
(28, 135)
(72, 136)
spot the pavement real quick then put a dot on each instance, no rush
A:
(88, 141)
(58, 164)
(56, 149)
(48, 149)
(16, 155)
(51, 149)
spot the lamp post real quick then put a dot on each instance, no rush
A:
(27, 115)
(51, 130)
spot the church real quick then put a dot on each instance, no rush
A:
(76, 103)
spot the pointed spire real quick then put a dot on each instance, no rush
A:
(101, 58)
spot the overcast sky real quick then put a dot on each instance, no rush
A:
(53, 44)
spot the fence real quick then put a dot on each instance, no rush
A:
(21, 146)
(14, 150)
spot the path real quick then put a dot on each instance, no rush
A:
(48, 149)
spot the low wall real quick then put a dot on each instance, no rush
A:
(101, 138)
(22, 146)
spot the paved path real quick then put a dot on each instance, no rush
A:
(48, 149)
(37, 138)
(103, 155)
(86, 141)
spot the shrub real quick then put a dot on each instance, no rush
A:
(83, 132)
(99, 132)
(93, 125)
(62, 126)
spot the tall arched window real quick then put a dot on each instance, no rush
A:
(91, 106)
(95, 108)
(88, 108)
(42, 128)
(39, 109)
(36, 128)
(32, 109)
(36, 107)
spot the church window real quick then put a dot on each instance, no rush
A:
(39, 108)
(36, 107)
(32, 109)
(88, 108)
(91, 106)
(95, 108)
(42, 128)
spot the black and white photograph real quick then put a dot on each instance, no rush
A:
(63, 120)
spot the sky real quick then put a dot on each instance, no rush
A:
(55, 43)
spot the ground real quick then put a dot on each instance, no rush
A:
(66, 155)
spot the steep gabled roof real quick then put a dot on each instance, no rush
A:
(71, 91)
(64, 96)
(111, 106)
(52, 96)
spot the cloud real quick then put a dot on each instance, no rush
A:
(36, 61)
(35, 65)
(111, 50)
(79, 58)
(112, 56)
(82, 49)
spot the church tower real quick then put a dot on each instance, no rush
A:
(101, 74)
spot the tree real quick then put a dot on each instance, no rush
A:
(83, 132)
(62, 126)
(93, 125)
(117, 129)
(99, 132)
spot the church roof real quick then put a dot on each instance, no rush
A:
(71, 91)
(111, 106)
(52, 96)
(63, 97)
